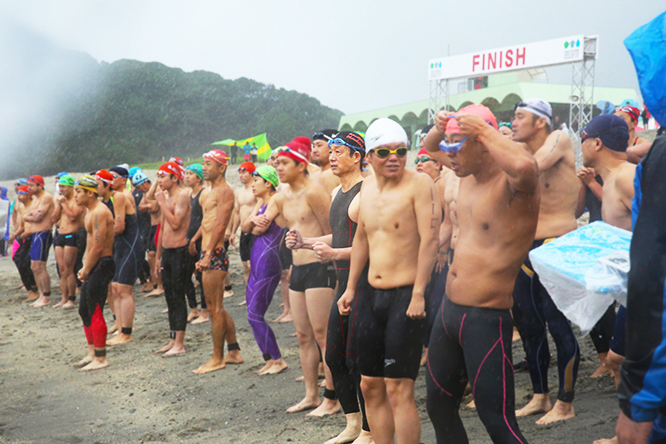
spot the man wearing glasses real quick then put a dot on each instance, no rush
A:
(398, 228)
(437, 285)
(303, 206)
(534, 308)
(498, 204)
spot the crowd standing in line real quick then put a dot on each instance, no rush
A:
(377, 261)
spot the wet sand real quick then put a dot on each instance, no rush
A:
(142, 397)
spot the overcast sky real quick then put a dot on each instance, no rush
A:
(351, 55)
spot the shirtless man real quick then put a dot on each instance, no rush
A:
(172, 251)
(149, 205)
(347, 150)
(435, 289)
(71, 216)
(126, 246)
(96, 273)
(398, 226)
(218, 207)
(23, 236)
(604, 150)
(304, 207)
(245, 202)
(320, 153)
(534, 308)
(630, 115)
(40, 218)
(497, 209)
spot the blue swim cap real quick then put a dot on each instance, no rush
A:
(133, 171)
(61, 174)
(139, 178)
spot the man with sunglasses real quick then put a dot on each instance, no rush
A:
(320, 157)
(347, 150)
(126, 249)
(604, 145)
(303, 206)
(245, 202)
(398, 226)
(497, 209)
(534, 309)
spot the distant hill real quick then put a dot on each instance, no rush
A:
(101, 114)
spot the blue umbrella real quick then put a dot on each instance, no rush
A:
(605, 106)
(630, 102)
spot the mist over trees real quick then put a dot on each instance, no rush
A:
(99, 115)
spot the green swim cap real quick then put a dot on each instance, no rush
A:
(66, 180)
(197, 169)
(87, 182)
(269, 173)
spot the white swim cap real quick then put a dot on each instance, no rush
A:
(383, 131)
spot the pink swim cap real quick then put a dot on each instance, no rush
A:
(478, 110)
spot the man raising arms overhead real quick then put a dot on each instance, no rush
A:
(218, 206)
(497, 209)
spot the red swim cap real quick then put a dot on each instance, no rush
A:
(178, 160)
(295, 150)
(249, 167)
(631, 110)
(36, 179)
(23, 189)
(171, 168)
(218, 156)
(423, 152)
(104, 176)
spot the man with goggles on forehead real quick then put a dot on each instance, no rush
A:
(303, 206)
(398, 227)
(498, 204)
(347, 150)
(321, 141)
(534, 309)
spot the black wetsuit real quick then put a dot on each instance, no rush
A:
(174, 276)
(22, 262)
(196, 216)
(127, 248)
(93, 297)
(339, 354)
(143, 219)
(471, 344)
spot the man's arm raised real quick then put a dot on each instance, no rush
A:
(513, 159)
(435, 136)
(553, 149)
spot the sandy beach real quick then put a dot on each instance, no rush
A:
(142, 397)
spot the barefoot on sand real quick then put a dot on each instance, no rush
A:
(174, 351)
(286, 318)
(516, 335)
(560, 412)
(305, 404)
(41, 302)
(210, 366)
(32, 296)
(95, 365)
(234, 357)
(69, 304)
(228, 293)
(540, 403)
(193, 315)
(272, 367)
(166, 348)
(85, 361)
(613, 440)
(60, 304)
(242, 303)
(328, 407)
(201, 319)
(364, 438)
(156, 292)
(120, 339)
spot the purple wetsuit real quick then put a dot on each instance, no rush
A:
(264, 278)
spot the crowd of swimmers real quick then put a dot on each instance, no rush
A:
(375, 261)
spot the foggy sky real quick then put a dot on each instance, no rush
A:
(351, 55)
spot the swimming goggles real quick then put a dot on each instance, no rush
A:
(383, 153)
(507, 124)
(451, 147)
(422, 159)
(339, 141)
(286, 149)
